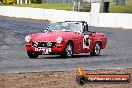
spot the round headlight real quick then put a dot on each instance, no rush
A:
(59, 40)
(27, 39)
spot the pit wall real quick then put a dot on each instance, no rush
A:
(93, 18)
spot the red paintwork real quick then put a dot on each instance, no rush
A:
(75, 37)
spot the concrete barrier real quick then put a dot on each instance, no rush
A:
(43, 14)
(122, 20)
(104, 19)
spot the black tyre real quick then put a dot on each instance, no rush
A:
(96, 49)
(81, 80)
(32, 54)
(68, 50)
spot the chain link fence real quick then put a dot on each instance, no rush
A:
(71, 2)
(83, 5)
(78, 5)
(112, 6)
(57, 1)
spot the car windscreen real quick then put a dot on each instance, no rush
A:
(65, 26)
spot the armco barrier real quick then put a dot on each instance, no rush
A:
(104, 19)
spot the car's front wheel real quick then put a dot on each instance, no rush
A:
(68, 52)
(96, 49)
(32, 54)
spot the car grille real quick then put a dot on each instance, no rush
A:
(44, 44)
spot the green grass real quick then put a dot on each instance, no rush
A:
(112, 8)
(119, 8)
(47, 6)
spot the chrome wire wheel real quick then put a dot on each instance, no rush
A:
(96, 49)
(68, 52)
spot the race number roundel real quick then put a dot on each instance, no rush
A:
(86, 42)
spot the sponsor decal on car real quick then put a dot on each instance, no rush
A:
(86, 42)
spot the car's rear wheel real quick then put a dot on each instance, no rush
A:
(96, 49)
(32, 54)
(68, 52)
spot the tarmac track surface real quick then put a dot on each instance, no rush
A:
(13, 56)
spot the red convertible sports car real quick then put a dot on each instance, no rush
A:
(65, 39)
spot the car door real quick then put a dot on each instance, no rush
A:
(86, 40)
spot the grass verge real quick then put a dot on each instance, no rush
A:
(46, 6)
(113, 8)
